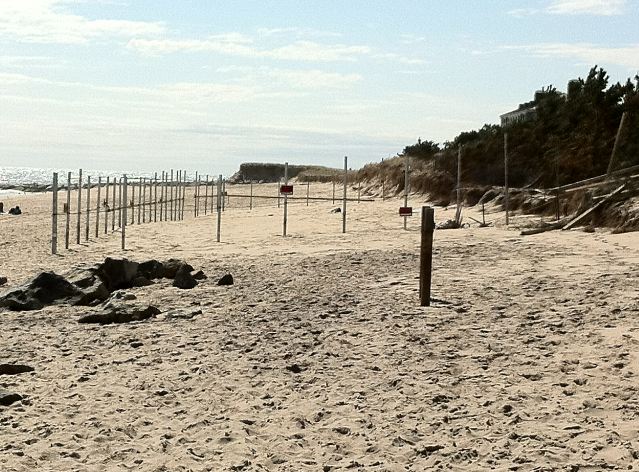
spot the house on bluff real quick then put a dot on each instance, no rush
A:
(525, 111)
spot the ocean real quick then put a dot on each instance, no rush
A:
(12, 176)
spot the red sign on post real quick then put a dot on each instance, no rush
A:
(286, 190)
(406, 211)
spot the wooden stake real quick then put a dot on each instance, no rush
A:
(107, 208)
(171, 195)
(345, 189)
(54, 223)
(614, 149)
(426, 255)
(123, 208)
(251, 198)
(79, 206)
(506, 206)
(406, 188)
(308, 190)
(458, 218)
(115, 184)
(97, 209)
(219, 207)
(206, 194)
(68, 212)
(285, 196)
(88, 207)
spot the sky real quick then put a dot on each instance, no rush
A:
(152, 85)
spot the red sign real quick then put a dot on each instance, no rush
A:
(286, 190)
(406, 211)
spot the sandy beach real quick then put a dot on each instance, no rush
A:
(319, 357)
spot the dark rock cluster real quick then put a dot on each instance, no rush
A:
(92, 284)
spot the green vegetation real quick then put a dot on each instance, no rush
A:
(571, 138)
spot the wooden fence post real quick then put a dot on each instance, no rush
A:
(79, 207)
(219, 206)
(68, 212)
(106, 205)
(88, 207)
(206, 194)
(113, 211)
(285, 196)
(426, 256)
(345, 188)
(506, 206)
(123, 209)
(97, 209)
(406, 183)
(54, 225)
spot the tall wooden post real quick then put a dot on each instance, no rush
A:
(155, 198)
(611, 164)
(251, 197)
(459, 190)
(79, 207)
(506, 176)
(406, 187)
(426, 255)
(308, 191)
(124, 207)
(107, 208)
(121, 203)
(285, 196)
(171, 195)
(206, 194)
(97, 208)
(333, 190)
(88, 207)
(219, 207)
(115, 206)
(68, 212)
(54, 216)
(140, 204)
(345, 189)
(133, 200)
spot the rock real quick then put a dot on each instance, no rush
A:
(120, 314)
(183, 278)
(3, 280)
(336, 210)
(7, 398)
(118, 273)
(151, 269)
(140, 282)
(296, 369)
(226, 280)
(13, 369)
(171, 268)
(47, 288)
(199, 275)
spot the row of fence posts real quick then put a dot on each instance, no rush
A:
(160, 198)
(166, 201)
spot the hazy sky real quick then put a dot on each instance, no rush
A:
(149, 85)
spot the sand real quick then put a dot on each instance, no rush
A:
(319, 357)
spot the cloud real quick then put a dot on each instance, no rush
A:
(46, 22)
(586, 7)
(626, 56)
(298, 79)
(299, 51)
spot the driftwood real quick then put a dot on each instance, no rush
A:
(480, 223)
(549, 227)
(593, 208)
